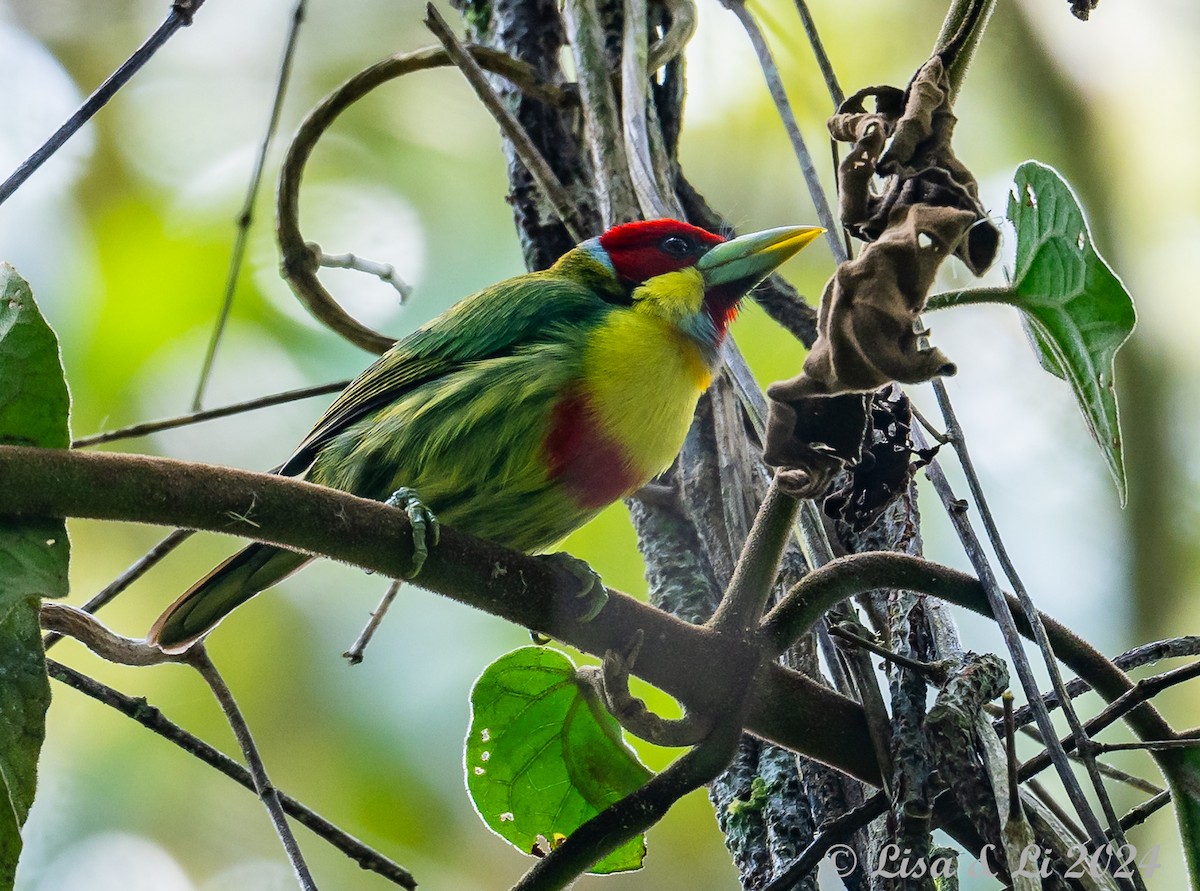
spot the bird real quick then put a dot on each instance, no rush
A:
(522, 411)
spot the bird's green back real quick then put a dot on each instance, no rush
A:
(528, 309)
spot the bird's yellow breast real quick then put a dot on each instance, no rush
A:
(643, 375)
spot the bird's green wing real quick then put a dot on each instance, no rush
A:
(490, 323)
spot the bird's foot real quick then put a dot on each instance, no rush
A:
(425, 526)
(591, 589)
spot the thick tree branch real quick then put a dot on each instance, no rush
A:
(684, 660)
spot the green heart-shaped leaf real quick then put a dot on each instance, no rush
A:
(542, 757)
(1077, 310)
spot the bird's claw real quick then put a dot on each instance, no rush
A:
(591, 588)
(425, 526)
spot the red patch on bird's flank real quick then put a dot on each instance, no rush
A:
(636, 248)
(591, 466)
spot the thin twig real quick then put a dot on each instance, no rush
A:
(1133, 781)
(354, 655)
(638, 811)
(533, 160)
(930, 670)
(1051, 803)
(1010, 747)
(1150, 745)
(180, 16)
(818, 48)
(784, 108)
(1140, 693)
(267, 793)
(139, 568)
(831, 833)
(246, 216)
(1142, 812)
(1145, 654)
(148, 427)
(930, 428)
(1096, 834)
(1113, 773)
(152, 719)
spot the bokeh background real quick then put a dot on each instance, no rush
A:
(125, 236)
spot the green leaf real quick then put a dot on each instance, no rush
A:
(33, 556)
(24, 698)
(1077, 311)
(543, 757)
(33, 394)
(1077, 306)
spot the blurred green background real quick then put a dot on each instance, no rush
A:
(126, 234)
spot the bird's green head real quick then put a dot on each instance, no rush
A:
(688, 275)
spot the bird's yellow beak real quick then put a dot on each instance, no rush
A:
(748, 259)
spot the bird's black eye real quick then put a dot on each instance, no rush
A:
(677, 246)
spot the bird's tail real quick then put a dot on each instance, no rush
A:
(232, 583)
